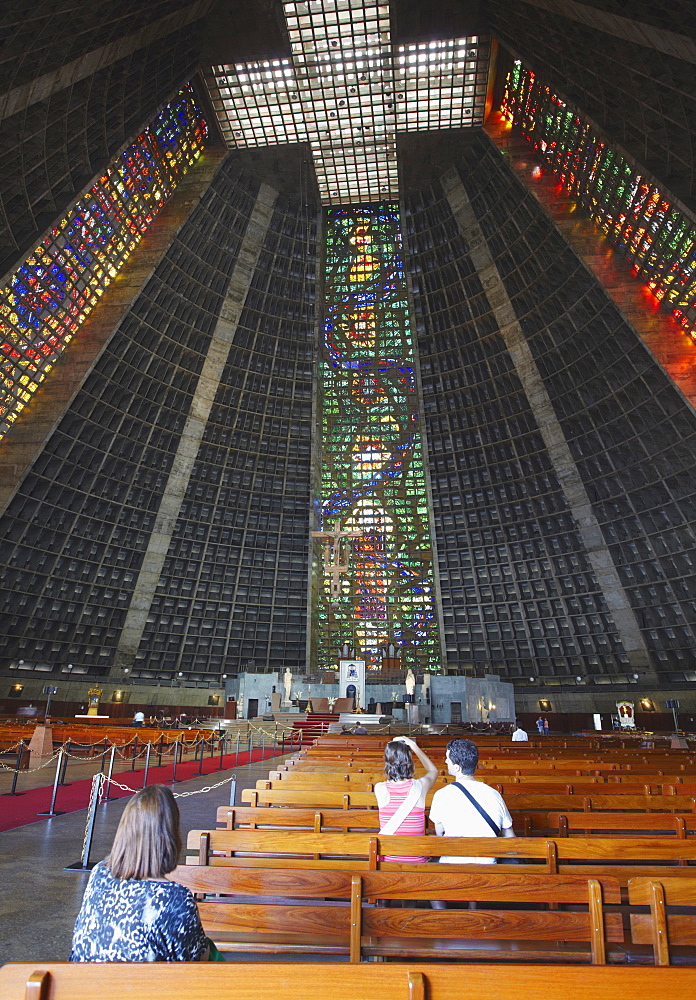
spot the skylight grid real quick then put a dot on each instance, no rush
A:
(348, 92)
(441, 84)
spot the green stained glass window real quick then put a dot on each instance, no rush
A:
(636, 217)
(372, 479)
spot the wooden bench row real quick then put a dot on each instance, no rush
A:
(312, 981)
(343, 912)
(561, 824)
(594, 856)
(530, 800)
(357, 782)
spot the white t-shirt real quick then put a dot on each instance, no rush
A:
(519, 735)
(460, 818)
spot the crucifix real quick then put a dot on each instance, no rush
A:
(336, 554)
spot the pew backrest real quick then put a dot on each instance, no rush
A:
(316, 981)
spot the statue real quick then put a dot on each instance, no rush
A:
(287, 683)
(410, 684)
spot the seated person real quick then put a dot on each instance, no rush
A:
(401, 798)
(131, 912)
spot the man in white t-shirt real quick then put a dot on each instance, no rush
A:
(519, 735)
(455, 816)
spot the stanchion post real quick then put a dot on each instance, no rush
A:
(172, 780)
(200, 766)
(233, 789)
(13, 791)
(236, 752)
(111, 771)
(61, 780)
(212, 746)
(159, 752)
(103, 758)
(263, 745)
(59, 765)
(84, 864)
(221, 744)
(251, 744)
(135, 747)
(147, 763)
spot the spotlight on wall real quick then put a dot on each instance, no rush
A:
(647, 704)
(544, 705)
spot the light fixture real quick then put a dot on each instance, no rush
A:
(544, 705)
(647, 704)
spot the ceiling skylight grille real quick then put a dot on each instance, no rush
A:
(347, 91)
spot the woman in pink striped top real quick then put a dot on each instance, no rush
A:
(400, 785)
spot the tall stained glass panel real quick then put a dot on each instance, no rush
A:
(636, 217)
(56, 287)
(380, 591)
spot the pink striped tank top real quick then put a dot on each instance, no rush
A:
(412, 826)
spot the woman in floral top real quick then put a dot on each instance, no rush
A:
(131, 912)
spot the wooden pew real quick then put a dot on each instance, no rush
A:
(330, 912)
(663, 930)
(587, 801)
(619, 857)
(318, 820)
(311, 981)
(658, 824)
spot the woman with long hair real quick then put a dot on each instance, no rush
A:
(131, 911)
(401, 798)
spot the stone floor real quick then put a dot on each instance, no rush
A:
(39, 900)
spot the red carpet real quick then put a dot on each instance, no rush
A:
(23, 809)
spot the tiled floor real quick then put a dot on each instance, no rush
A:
(39, 900)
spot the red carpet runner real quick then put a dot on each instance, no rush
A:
(23, 809)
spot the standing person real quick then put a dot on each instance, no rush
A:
(401, 798)
(540, 726)
(453, 812)
(546, 727)
(131, 912)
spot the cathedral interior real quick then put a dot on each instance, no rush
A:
(346, 324)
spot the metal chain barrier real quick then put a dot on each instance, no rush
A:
(177, 795)
(29, 770)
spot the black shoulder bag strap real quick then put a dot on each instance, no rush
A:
(493, 825)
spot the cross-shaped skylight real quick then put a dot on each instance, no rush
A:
(347, 91)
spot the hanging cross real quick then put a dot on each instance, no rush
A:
(346, 88)
(336, 554)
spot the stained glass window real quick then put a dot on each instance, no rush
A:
(635, 216)
(51, 294)
(372, 482)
